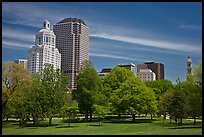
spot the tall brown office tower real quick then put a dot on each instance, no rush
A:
(72, 40)
(157, 68)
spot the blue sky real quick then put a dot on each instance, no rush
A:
(120, 32)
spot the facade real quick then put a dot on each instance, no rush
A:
(72, 40)
(44, 50)
(24, 62)
(130, 66)
(103, 72)
(146, 75)
(189, 66)
(157, 68)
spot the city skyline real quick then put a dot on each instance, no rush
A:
(120, 33)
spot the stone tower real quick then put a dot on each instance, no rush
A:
(189, 66)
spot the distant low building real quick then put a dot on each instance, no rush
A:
(130, 66)
(103, 72)
(157, 68)
(146, 75)
(101, 75)
(24, 62)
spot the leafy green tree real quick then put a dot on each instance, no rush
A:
(137, 98)
(165, 104)
(198, 74)
(163, 85)
(193, 87)
(14, 79)
(159, 87)
(119, 101)
(111, 88)
(88, 84)
(54, 84)
(178, 105)
(100, 112)
(113, 80)
(20, 102)
(70, 111)
(37, 100)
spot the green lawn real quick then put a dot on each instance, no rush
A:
(124, 126)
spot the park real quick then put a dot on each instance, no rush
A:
(118, 104)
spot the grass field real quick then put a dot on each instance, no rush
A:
(124, 126)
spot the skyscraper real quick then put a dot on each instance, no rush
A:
(72, 40)
(157, 68)
(44, 50)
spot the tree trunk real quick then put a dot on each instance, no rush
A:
(151, 116)
(90, 116)
(194, 122)
(7, 117)
(69, 122)
(119, 115)
(50, 120)
(86, 116)
(133, 117)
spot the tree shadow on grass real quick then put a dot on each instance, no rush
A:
(39, 125)
(66, 126)
(130, 122)
(185, 127)
(96, 125)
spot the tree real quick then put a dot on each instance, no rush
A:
(163, 85)
(137, 98)
(193, 87)
(20, 102)
(14, 79)
(115, 78)
(198, 74)
(178, 101)
(88, 83)
(54, 84)
(70, 111)
(100, 112)
(165, 103)
(37, 102)
(111, 88)
(159, 87)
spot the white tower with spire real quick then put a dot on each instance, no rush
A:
(44, 51)
(189, 66)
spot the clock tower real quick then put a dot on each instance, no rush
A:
(189, 66)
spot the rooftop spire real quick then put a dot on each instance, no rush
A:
(46, 24)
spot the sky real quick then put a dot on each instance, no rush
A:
(120, 32)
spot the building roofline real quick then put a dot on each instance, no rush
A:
(66, 20)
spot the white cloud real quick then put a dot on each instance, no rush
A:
(150, 42)
(15, 44)
(115, 56)
(190, 27)
(18, 34)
